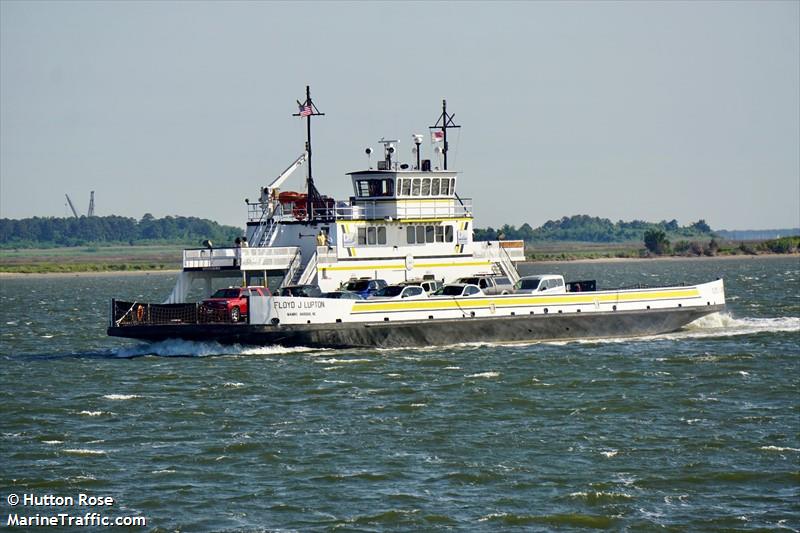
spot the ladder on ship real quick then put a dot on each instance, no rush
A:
(296, 275)
(505, 267)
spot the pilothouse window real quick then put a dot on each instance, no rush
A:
(426, 187)
(415, 187)
(375, 187)
(406, 187)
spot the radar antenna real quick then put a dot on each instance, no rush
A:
(307, 109)
(444, 123)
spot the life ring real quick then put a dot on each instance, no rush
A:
(299, 211)
(140, 312)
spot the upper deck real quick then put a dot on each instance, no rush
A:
(380, 195)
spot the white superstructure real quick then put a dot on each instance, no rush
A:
(403, 221)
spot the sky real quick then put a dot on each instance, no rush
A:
(622, 110)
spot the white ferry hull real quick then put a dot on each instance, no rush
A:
(416, 333)
(317, 322)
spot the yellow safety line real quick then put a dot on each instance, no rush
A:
(395, 266)
(420, 305)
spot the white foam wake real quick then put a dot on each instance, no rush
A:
(724, 324)
(183, 348)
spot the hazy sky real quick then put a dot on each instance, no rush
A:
(623, 110)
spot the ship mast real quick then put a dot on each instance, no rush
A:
(444, 123)
(307, 109)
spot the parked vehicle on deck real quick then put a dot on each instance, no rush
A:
(342, 295)
(544, 284)
(429, 285)
(302, 291)
(230, 303)
(459, 289)
(489, 283)
(364, 287)
(398, 292)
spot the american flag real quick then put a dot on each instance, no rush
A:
(305, 110)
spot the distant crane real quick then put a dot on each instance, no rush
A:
(91, 205)
(71, 206)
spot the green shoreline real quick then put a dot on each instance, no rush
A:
(146, 265)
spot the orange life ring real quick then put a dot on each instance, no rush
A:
(140, 312)
(299, 211)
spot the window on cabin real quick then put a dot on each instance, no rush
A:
(435, 186)
(406, 187)
(375, 188)
(411, 233)
(362, 188)
(445, 189)
(371, 235)
(439, 233)
(415, 187)
(448, 233)
(428, 233)
(426, 187)
(420, 234)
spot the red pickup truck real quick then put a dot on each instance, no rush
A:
(231, 303)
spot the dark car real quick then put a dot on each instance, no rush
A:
(302, 291)
(365, 287)
(342, 295)
(230, 303)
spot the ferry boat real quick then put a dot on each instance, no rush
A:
(405, 221)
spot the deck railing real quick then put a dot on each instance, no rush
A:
(275, 258)
(408, 208)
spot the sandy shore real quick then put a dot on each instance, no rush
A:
(115, 273)
(667, 258)
(10, 275)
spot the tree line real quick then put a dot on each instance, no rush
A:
(583, 228)
(38, 232)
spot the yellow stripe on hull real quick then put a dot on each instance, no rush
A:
(511, 301)
(402, 266)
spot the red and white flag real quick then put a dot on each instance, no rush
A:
(437, 136)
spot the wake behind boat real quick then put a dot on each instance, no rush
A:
(407, 227)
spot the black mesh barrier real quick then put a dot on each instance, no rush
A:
(149, 314)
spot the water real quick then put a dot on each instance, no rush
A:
(697, 430)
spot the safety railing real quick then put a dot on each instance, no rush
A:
(124, 314)
(402, 208)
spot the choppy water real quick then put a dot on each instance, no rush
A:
(697, 430)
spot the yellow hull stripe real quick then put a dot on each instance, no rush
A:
(510, 301)
(402, 266)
